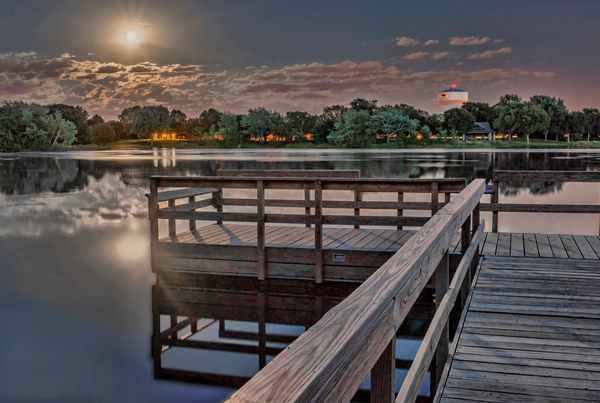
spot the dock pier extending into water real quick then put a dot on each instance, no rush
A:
(525, 296)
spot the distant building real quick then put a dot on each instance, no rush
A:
(481, 131)
(453, 97)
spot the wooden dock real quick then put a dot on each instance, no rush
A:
(530, 333)
(529, 330)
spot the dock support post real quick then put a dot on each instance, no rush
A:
(172, 225)
(153, 215)
(318, 232)
(476, 218)
(435, 199)
(400, 211)
(219, 204)
(465, 236)
(307, 209)
(383, 375)
(260, 231)
(495, 200)
(192, 199)
(357, 199)
(443, 348)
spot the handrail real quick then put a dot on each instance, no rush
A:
(416, 374)
(330, 360)
(538, 176)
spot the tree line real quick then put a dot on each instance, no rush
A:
(361, 124)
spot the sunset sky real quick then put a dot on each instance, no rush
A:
(295, 55)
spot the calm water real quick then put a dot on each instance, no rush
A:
(75, 279)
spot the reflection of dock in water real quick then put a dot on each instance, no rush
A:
(232, 329)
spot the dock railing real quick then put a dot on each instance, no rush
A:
(329, 362)
(538, 176)
(318, 211)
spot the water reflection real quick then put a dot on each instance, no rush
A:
(223, 332)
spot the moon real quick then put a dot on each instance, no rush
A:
(131, 37)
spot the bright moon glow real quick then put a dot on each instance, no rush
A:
(131, 37)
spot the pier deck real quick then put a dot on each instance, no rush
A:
(531, 332)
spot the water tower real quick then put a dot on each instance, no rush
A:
(453, 97)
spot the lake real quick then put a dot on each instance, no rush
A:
(75, 278)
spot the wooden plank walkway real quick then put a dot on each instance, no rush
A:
(531, 332)
(362, 239)
(540, 245)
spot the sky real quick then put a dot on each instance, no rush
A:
(290, 55)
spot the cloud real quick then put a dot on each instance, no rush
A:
(543, 74)
(490, 53)
(497, 40)
(107, 88)
(432, 42)
(469, 40)
(67, 56)
(441, 55)
(406, 41)
(414, 56)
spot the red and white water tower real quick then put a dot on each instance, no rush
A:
(453, 97)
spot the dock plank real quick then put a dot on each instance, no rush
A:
(543, 244)
(503, 248)
(491, 242)
(557, 246)
(584, 247)
(516, 245)
(532, 329)
(594, 242)
(571, 247)
(530, 244)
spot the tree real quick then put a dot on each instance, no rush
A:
(301, 122)
(459, 119)
(127, 117)
(592, 116)
(209, 118)
(392, 122)
(179, 118)
(577, 122)
(260, 122)
(352, 129)
(77, 115)
(119, 128)
(324, 124)
(509, 99)
(150, 120)
(229, 129)
(103, 133)
(57, 128)
(523, 119)
(95, 120)
(360, 104)
(558, 113)
(481, 111)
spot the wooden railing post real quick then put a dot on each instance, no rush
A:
(465, 237)
(400, 211)
(219, 203)
(495, 200)
(153, 215)
(307, 209)
(435, 198)
(260, 231)
(476, 219)
(318, 232)
(192, 199)
(383, 375)
(262, 330)
(441, 353)
(357, 199)
(172, 225)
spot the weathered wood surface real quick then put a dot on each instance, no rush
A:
(414, 379)
(531, 333)
(330, 361)
(286, 173)
(560, 246)
(183, 193)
